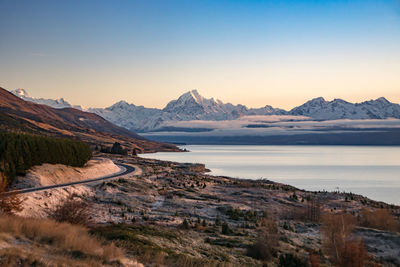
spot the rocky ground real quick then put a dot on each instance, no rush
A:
(175, 214)
(167, 194)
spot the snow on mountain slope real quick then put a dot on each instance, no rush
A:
(191, 106)
(267, 110)
(54, 103)
(137, 118)
(320, 109)
(381, 108)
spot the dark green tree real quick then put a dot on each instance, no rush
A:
(19, 152)
(117, 149)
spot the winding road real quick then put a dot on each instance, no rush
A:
(125, 169)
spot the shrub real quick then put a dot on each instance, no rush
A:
(289, 260)
(117, 149)
(217, 221)
(315, 260)
(225, 229)
(265, 246)
(71, 210)
(353, 254)
(336, 230)
(237, 214)
(379, 219)
(185, 225)
(342, 250)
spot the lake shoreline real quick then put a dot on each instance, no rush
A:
(355, 169)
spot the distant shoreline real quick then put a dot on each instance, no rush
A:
(361, 138)
(356, 169)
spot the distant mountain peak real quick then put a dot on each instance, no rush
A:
(195, 93)
(55, 103)
(320, 109)
(191, 95)
(382, 99)
(193, 106)
(121, 103)
(20, 92)
(339, 100)
(318, 99)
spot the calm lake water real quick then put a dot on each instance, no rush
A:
(368, 170)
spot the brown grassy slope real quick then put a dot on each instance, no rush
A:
(42, 242)
(17, 114)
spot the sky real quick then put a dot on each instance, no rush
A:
(281, 53)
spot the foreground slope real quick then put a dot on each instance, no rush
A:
(174, 214)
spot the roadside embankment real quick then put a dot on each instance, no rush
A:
(50, 174)
(35, 203)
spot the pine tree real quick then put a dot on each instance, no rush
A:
(19, 152)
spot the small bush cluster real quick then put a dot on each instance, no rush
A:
(238, 214)
(289, 260)
(379, 219)
(71, 210)
(115, 149)
(265, 246)
(226, 229)
(310, 213)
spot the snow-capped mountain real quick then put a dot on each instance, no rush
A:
(191, 106)
(54, 103)
(320, 109)
(267, 110)
(133, 117)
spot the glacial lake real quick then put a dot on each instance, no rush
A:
(372, 171)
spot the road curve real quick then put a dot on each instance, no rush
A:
(125, 169)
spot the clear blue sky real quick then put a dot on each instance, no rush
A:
(147, 52)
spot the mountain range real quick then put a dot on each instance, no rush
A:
(192, 106)
(19, 115)
(54, 103)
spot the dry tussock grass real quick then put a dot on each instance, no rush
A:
(9, 256)
(71, 239)
(379, 219)
(31, 255)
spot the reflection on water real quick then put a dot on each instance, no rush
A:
(368, 170)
